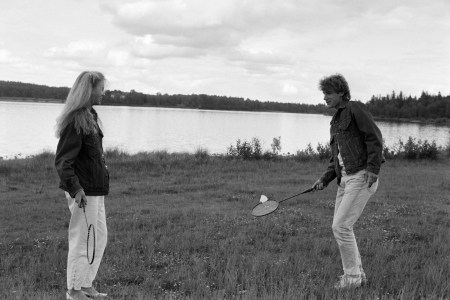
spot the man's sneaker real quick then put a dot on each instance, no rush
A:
(92, 292)
(363, 279)
(363, 275)
(349, 282)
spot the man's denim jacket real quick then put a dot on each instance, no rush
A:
(359, 139)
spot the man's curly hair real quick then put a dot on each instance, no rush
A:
(335, 83)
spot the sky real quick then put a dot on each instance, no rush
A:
(267, 50)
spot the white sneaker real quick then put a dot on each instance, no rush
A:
(92, 292)
(76, 297)
(363, 278)
(349, 281)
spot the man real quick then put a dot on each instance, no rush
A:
(356, 145)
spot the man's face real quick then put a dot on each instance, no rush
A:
(333, 99)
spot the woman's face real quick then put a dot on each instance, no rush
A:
(97, 93)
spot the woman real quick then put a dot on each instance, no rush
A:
(84, 177)
(356, 143)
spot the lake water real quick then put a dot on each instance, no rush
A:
(27, 128)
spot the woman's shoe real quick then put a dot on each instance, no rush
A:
(92, 292)
(75, 297)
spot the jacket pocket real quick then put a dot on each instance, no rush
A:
(92, 146)
(344, 123)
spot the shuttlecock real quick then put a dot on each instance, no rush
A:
(263, 199)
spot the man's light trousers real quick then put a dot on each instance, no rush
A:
(352, 196)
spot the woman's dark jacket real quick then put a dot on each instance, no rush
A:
(359, 139)
(80, 162)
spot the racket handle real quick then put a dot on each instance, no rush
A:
(304, 192)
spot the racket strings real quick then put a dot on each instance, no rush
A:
(89, 227)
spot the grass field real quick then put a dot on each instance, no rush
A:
(180, 228)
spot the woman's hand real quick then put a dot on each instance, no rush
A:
(80, 199)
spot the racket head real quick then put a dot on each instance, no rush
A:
(263, 209)
(90, 244)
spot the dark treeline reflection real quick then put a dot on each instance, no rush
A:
(393, 106)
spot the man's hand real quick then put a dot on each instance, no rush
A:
(80, 199)
(318, 185)
(370, 177)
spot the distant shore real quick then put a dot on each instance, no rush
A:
(438, 122)
(22, 99)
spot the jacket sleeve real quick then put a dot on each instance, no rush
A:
(372, 137)
(69, 146)
(330, 174)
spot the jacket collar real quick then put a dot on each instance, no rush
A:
(343, 105)
(338, 111)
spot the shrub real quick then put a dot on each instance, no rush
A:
(388, 153)
(115, 153)
(410, 149)
(256, 147)
(45, 155)
(447, 149)
(427, 150)
(324, 151)
(276, 145)
(413, 150)
(201, 155)
(246, 150)
(232, 151)
(306, 154)
(267, 155)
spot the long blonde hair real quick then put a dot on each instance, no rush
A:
(77, 108)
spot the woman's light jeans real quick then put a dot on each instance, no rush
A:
(352, 196)
(79, 272)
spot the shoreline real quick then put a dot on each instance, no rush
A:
(442, 154)
(436, 122)
(23, 99)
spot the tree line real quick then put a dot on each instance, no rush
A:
(211, 102)
(399, 106)
(15, 89)
(394, 106)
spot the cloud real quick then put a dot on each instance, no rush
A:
(7, 58)
(82, 49)
(234, 31)
(88, 54)
(118, 57)
(289, 89)
(250, 33)
(146, 47)
(199, 24)
(202, 23)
